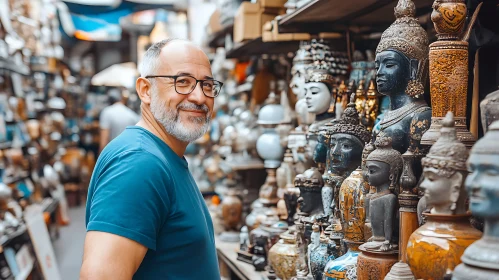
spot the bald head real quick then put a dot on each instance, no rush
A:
(170, 51)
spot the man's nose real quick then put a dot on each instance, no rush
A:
(197, 96)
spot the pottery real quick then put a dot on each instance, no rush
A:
(319, 257)
(232, 208)
(442, 237)
(283, 256)
(375, 265)
(352, 211)
(344, 267)
(449, 18)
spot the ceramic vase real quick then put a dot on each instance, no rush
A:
(442, 237)
(375, 265)
(319, 257)
(344, 267)
(283, 256)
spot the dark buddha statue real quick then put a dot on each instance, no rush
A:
(310, 201)
(401, 65)
(384, 167)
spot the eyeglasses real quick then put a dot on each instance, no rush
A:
(185, 84)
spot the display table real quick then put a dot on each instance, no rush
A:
(230, 266)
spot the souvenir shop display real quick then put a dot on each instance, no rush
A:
(372, 169)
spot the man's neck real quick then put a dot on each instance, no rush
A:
(148, 122)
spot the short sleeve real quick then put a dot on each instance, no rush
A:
(131, 198)
(104, 119)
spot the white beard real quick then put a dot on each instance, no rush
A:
(170, 119)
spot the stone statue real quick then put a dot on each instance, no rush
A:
(444, 172)
(319, 84)
(368, 149)
(301, 62)
(310, 201)
(481, 259)
(384, 167)
(401, 63)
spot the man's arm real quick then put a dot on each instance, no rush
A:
(104, 124)
(110, 256)
(103, 139)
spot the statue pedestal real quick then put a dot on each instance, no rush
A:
(448, 89)
(375, 265)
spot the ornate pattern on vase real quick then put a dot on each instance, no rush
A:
(481, 259)
(449, 18)
(352, 210)
(374, 266)
(283, 256)
(344, 267)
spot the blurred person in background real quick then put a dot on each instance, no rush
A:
(115, 118)
(146, 217)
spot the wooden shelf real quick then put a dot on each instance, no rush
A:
(361, 16)
(258, 47)
(227, 253)
(217, 39)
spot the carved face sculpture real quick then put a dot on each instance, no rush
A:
(345, 152)
(392, 72)
(441, 191)
(482, 185)
(378, 173)
(318, 97)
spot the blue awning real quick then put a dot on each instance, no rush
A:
(99, 20)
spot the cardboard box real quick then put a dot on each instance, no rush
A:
(249, 21)
(272, 3)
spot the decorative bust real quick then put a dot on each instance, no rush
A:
(319, 84)
(347, 140)
(444, 171)
(301, 63)
(310, 200)
(481, 259)
(401, 63)
(384, 167)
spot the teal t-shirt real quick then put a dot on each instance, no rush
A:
(142, 190)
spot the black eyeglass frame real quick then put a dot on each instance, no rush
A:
(175, 77)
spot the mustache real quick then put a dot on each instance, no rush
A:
(192, 106)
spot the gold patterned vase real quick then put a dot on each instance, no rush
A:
(283, 256)
(449, 17)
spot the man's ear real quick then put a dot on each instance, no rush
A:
(144, 87)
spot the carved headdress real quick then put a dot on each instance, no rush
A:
(319, 72)
(303, 58)
(349, 123)
(448, 154)
(488, 144)
(406, 36)
(385, 153)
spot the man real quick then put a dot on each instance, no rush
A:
(115, 118)
(146, 218)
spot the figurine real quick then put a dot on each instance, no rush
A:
(360, 98)
(443, 184)
(401, 61)
(368, 149)
(481, 259)
(384, 167)
(319, 84)
(489, 109)
(447, 231)
(301, 62)
(370, 110)
(310, 194)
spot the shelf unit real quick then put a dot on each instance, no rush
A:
(258, 47)
(360, 16)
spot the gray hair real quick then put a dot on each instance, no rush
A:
(150, 61)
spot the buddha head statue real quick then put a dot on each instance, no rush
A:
(402, 54)
(347, 140)
(384, 165)
(319, 83)
(481, 183)
(444, 171)
(310, 199)
(301, 62)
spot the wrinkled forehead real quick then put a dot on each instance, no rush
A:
(183, 57)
